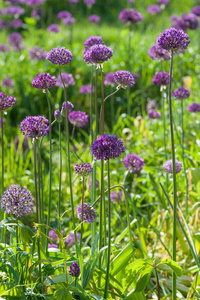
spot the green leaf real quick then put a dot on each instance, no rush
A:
(144, 279)
(94, 244)
(173, 265)
(97, 297)
(62, 294)
(55, 278)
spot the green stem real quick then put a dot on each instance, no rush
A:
(17, 241)
(82, 203)
(96, 106)
(158, 286)
(3, 234)
(91, 110)
(164, 133)
(73, 131)
(101, 216)
(60, 179)
(102, 104)
(128, 67)
(174, 181)
(64, 258)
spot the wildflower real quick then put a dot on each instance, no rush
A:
(116, 197)
(194, 107)
(35, 2)
(86, 89)
(161, 78)
(37, 13)
(15, 38)
(43, 81)
(154, 114)
(78, 118)
(173, 39)
(4, 48)
(196, 10)
(151, 105)
(156, 52)
(70, 106)
(191, 21)
(97, 54)
(94, 19)
(53, 236)
(89, 213)
(178, 23)
(37, 53)
(133, 163)
(59, 56)
(6, 101)
(75, 270)
(130, 16)
(14, 11)
(7, 82)
(154, 9)
(52, 245)
(16, 200)
(91, 41)
(168, 166)
(163, 2)
(67, 78)
(124, 79)
(90, 2)
(107, 146)
(58, 115)
(16, 23)
(83, 170)
(109, 79)
(34, 127)
(181, 93)
(63, 14)
(70, 239)
(68, 21)
(53, 28)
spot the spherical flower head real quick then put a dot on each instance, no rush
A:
(17, 200)
(7, 82)
(52, 245)
(4, 48)
(136, 76)
(35, 127)
(91, 41)
(168, 166)
(107, 146)
(58, 115)
(89, 213)
(181, 93)
(98, 54)
(156, 52)
(68, 21)
(161, 78)
(83, 169)
(74, 270)
(154, 114)
(43, 81)
(194, 107)
(86, 89)
(130, 16)
(53, 236)
(124, 79)
(90, 2)
(14, 11)
(34, 2)
(37, 53)
(54, 28)
(163, 2)
(15, 38)
(178, 23)
(37, 14)
(70, 239)
(70, 106)
(173, 39)
(6, 101)
(116, 197)
(191, 21)
(94, 19)
(67, 78)
(109, 79)
(63, 14)
(133, 163)
(59, 56)
(16, 23)
(3, 24)
(154, 9)
(196, 10)
(78, 118)
(151, 105)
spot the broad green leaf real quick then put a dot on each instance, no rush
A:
(124, 232)
(62, 294)
(135, 296)
(173, 265)
(56, 278)
(94, 244)
(145, 275)
(97, 297)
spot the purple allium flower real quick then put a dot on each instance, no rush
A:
(37, 13)
(130, 16)
(83, 170)
(124, 79)
(173, 39)
(35, 2)
(6, 101)
(191, 21)
(53, 236)
(37, 53)
(70, 239)
(156, 52)
(16, 200)
(89, 213)
(91, 41)
(43, 81)
(94, 19)
(116, 197)
(168, 166)
(163, 2)
(154, 114)
(3, 24)
(7, 82)
(67, 78)
(90, 2)
(16, 23)
(70, 106)
(74, 270)
(97, 54)
(68, 21)
(161, 78)
(136, 76)
(14, 10)
(133, 163)
(151, 105)
(154, 9)
(107, 146)
(15, 38)
(4, 48)
(109, 79)
(181, 93)
(58, 115)
(63, 14)
(86, 89)
(25, 144)
(35, 127)
(78, 118)
(54, 28)
(178, 23)
(194, 107)
(196, 10)
(59, 56)
(52, 245)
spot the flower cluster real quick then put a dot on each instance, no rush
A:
(53, 236)
(4, 48)
(94, 19)
(91, 41)
(83, 170)
(107, 146)
(58, 115)
(70, 239)
(6, 101)
(154, 9)
(124, 79)
(37, 53)
(89, 213)
(156, 52)
(68, 21)
(161, 78)
(97, 54)
(16, 200)
(7, 82)
(74, 270)
(116, 197)
(59, 56)
(54, 28)
(196, 10)
(151, 105)
(133, 163)
(181, 93)
(173, 39)
(78, 118)
(154, 114)
(34, 127)
(63, 14)
(168, 166)
(43, 81)
(86, 89)
(109, 79)
(67, 78)
(194, 107)
(130, 16)
(70, 106)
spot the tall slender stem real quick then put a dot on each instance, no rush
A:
(3, 235)
(91, 106)
(164, 132)
(158, 286)
(102, 104)
(128, 67)
(82, 203)
(96, 106)
(17, 241)
(174, 180)
(60, 178)
(101, 216)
